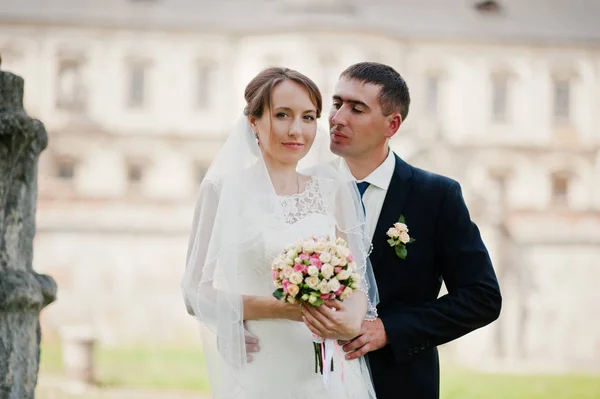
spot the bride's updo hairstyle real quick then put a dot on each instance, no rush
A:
(260, 89)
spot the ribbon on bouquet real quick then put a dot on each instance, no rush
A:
(324, 357)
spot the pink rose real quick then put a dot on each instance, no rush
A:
(285, 283)
(275, 274)
(300, 268)
(325, 296)
(316, 262)
(340, 290)
(315, 256)
(350, 258)
(304, 256)
(338, 269)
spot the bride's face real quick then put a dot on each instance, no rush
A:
(287, 130)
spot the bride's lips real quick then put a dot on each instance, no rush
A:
(293, 145)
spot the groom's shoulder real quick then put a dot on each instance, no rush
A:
(429, 181)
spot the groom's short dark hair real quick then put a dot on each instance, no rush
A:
(394, 95)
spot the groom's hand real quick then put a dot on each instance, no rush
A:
(251, 344)
(332, 320)
(372, 337)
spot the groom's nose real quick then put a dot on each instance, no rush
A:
(337, 117)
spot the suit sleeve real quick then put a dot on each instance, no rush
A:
(473, 298)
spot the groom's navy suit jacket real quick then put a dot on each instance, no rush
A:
(448, 247)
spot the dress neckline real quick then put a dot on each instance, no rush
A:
(301, 193)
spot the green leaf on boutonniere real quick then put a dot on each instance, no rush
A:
(401, 251)
(402, 220)
(411, 240)
(392, 242)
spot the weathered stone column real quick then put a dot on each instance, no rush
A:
(23, 292)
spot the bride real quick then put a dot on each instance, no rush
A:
(252, 203)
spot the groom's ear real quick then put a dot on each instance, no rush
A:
(394, 122)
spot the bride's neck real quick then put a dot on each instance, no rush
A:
(284, 177)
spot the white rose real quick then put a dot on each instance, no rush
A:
(320, 246)
(312, 299)
(298, 246)
(393, 232)
(323, 287)
(305, 297)
(293, 289)
(346, 293)
(333, 285)
(404, 237)
(312, 271)
(291, 299)
(335, 261)
(277, 284)
(298, 261)
(343, 275)
(288, 261)
(401, 227)
(355, 276)
(308, 247)
(354, 285)
(345, 252)
(291, 254)
(287, 271)
(325, 257)
(312, 282)
(327, 270)
(296, 278)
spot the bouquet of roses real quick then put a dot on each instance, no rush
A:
(313, 270)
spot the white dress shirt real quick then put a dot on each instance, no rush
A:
(379, 181)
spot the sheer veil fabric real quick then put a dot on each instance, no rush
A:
(236, 204)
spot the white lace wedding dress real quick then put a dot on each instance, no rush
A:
(284, 368)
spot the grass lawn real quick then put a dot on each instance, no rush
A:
(183, 369)
(147, 367)
(472, 385)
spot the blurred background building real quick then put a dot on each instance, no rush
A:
(138, 95)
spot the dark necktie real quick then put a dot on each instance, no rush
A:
(362, 187)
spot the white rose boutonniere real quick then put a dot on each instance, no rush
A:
(399, 237)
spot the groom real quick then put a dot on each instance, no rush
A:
(370, 103)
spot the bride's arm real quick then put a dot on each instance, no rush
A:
(262, 307)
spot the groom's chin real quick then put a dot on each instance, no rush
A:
(336, 148)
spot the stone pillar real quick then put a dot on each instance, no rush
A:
(23, 292)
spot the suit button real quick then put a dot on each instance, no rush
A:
(428, 344)
(416, 350)
(410, 352)
(422, 346)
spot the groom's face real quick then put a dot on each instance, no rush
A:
(356, 122)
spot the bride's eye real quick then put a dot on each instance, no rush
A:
(280, 115)
(309, 118)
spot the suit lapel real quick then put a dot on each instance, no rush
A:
(391, 210)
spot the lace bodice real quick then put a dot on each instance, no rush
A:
(315, 199)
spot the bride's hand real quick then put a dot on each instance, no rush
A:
(332, 320)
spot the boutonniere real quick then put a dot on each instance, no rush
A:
(399, 237)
